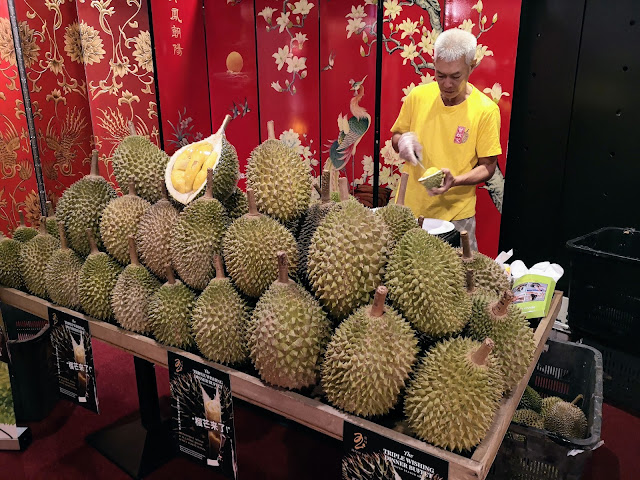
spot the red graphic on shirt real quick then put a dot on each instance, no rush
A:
(461, 135)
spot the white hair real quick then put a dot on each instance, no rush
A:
(455, 43)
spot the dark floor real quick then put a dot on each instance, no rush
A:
(268, 446)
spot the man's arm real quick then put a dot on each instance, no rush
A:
(481, 173)
(394, 141)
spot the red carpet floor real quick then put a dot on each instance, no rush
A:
(268, 447)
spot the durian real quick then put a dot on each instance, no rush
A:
(369, 358)
(81, 206)
(196, 237)
(96, 281)
(432, 178)
(10, 275)
(566, 419)
(52, 220)
(488, 274)
(288, 333)
(398, 218)
(23, 233)
(154, 235)
(455, 393)
(61, 275)
(34, 256)
(506, 324)
(368, 466)
(131, 294)
(279, 179)
(529, 418)
(237, 204)
(547, 403)
(120, 219)
(426, 283)
(347, 255)
(138, 158)
(530, 400)
(170, 313)
(7, 415)
(250, 250)
(219, 320)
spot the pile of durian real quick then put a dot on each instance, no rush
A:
(364, 309)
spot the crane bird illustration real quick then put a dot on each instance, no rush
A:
(352, 129)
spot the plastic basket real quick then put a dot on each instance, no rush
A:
(604, 291)
(565, 370)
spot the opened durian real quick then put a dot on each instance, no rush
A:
(250, 247)
(369, 358)
(487, 273)
(132, 292)
(530, 400)
(196, 238)
(398, 217)
(34, 256)
(505, 323)
(138, 158)
(566, 419)
(219, 320)
(237, 204)
(52, 220)
(10, 275)
(455, 393)
(119, 220)
(432, 178)
(96, 281)
(154, 235)
(23, 233)
(170, 313)
(279, 179)
(347, 255)
(529, 418)
(186, 172)
(61, 275)
(81, 207)
(426, 283)
(288, 333)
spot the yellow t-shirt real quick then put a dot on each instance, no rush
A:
(451, 137)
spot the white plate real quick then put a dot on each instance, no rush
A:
(436, 226)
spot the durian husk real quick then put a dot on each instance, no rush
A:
(529, 418)
(52, 221)
(237, 204)
(566, 419)
(23, 233)
(10, 275)
(488, 274)
(34, 256)
(398, 217)
(62, 272)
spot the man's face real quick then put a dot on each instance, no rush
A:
(452, 77)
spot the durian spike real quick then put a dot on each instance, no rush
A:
(251, 199)
(479, 357)
(343, 186)
(283, 268)
(467, 254)
(471, 286)
(577, 399)
(95, 169)
(500, 307)
(63, 236)
(50, 211)
(171, 278)
(42, 228)
(21, 215)
(403, 188)
(133, 251)
(325, 185)
(132, 187)
(92, 242)
(271, 130)
(208, 193)
(420, 221)
(377, 310)
(132, 128)
(217, 262)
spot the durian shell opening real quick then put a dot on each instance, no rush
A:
(325, 185)
(171, 279)
(133, 252)
(283, 268)
(95, 169)
(271, 130)
(403, 189)
(479, 357)
(467, 254)
(63, 236)
(343, 185)
(377, 310)
(253, 208)
(93, 247)
(499, 308)
(219, 266)
(42, 228)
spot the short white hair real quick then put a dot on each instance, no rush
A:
(455, 43)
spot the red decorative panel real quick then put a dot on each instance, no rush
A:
(183, 90)
(233, 77)
(18, 188)
(116, 52)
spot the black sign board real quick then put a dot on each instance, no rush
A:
(373, 456)
(71, 342)
(202, 414)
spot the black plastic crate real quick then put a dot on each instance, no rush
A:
(604, 292)
(565, 370)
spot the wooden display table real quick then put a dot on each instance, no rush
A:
(303, 410)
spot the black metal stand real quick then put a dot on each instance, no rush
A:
(138, 447)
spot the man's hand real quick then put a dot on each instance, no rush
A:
(409, 148)
(448, 182)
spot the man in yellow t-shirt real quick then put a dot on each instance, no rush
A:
(451, 125)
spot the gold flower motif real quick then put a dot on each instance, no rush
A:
(83, 44)
(25, 170)
(30, 50)
(56, 96)
(55, 65)
(142, 52)
(120, 69)
(128, 98)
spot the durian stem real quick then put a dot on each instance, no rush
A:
(132, 128)
(420, 221)
(217, 262)
(499, 308)
(471, 287)
(95, 170)
(42, 228)
(92, 241)
(325, 185)
(50, 211)
(63, 236)
(271, 130)
(467, 255)
(21, 215)
(377, 310)
(132, 186)
(163, 189)
(343, 186)
(251, 199)
(208, 193)
(283, 267)
(317, 188)
(577, 399)
(225, 123)
(403, 188)
(133, 252)
(171, 279)
(479, 357)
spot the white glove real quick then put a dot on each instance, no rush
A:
(409, 148)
